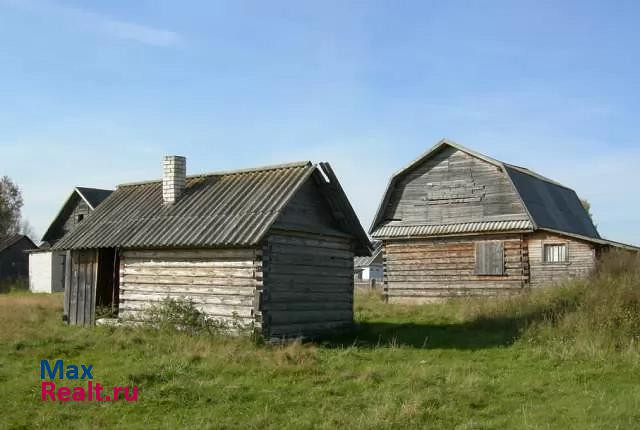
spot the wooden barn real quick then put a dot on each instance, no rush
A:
(269, 247)
(47, 267)
(458, 223)
(14, 260)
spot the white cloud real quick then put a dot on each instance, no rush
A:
(99, 23)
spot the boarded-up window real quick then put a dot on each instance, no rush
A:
(489, 258)
(555, 253)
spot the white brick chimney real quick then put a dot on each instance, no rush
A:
(173, 178)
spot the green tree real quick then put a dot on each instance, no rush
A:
(587, 207)
(10, 207)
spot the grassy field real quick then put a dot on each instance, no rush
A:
(546, 361)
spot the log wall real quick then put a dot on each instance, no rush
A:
(581, 259)
(308, 284)
(221, 282)
(428, 270)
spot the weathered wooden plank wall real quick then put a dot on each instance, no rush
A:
(581, 259)
(427, 270)
(221, 282)
(453, 187)
(308, 284)
(81, 288)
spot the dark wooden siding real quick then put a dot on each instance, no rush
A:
(308, 284)
(14, 261)
(453, 187)
(68, 220)
(308, 211)
(581, 259)
(423, 270)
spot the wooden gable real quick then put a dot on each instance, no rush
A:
(453, 186)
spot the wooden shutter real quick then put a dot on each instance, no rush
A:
(489, 258)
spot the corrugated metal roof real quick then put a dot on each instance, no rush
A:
(216, 209)
(387, 231)
(552, 205)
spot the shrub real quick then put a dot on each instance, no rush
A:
(183, 315)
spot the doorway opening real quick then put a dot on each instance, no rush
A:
(108, 283)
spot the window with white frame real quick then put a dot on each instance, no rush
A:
(555, 253)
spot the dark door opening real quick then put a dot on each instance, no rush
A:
(108, 291)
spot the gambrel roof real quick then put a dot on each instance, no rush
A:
(548, 205)
(220, 209)
(91, 196)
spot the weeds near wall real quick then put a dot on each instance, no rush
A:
(183, 315)
(597, 316)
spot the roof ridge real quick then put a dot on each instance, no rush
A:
(536, 175)
(92, 188)
(10, 240)
(227, 172)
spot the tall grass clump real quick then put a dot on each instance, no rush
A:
(183, 315)
(595, 317)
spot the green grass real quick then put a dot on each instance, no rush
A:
(524, 363)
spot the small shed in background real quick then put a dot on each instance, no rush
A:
(47, 267)
(368, 271)
(14, 260)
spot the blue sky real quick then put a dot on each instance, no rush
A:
(94, 93)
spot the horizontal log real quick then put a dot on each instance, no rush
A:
(307, 305)
(294, 317)
(187, 280)
(142, 315)
(190, 289)
(212, 253)
(320, 271)
(319, 242)
(443, 263)
(301, 249)
(209, 309)
(464, 277)
(306, 288)
(154, 296)
(290, 279)
(310, 260)
(453, 292)
(211, 272)
(188, 263)
(286, 297)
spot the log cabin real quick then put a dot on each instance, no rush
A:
(47, 267)
(458, 223)
(270, 248)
